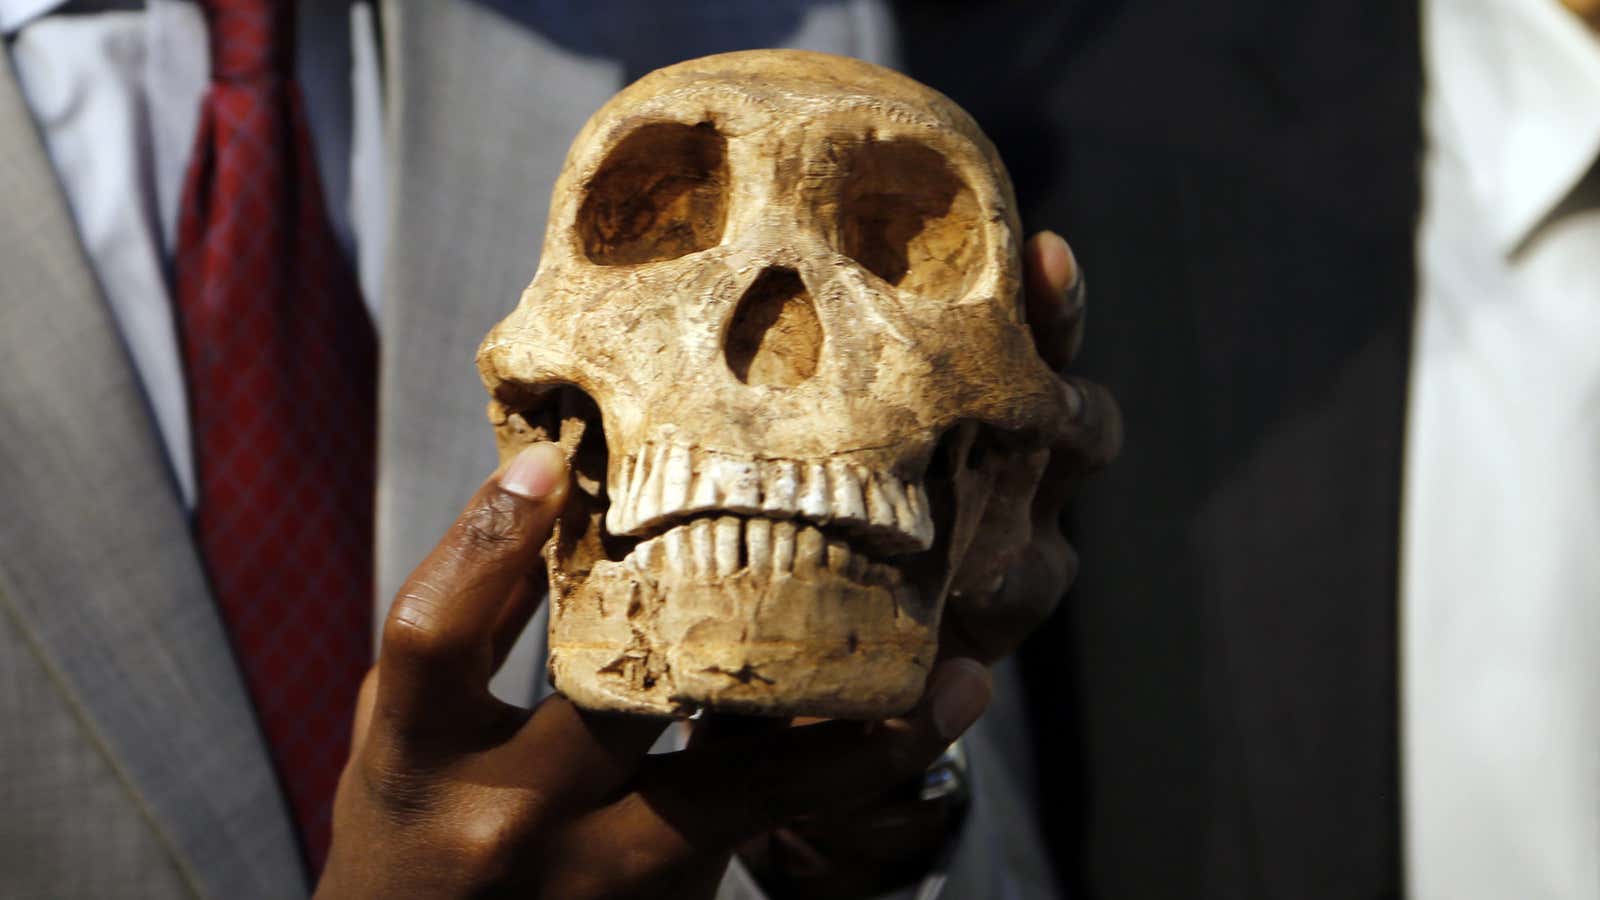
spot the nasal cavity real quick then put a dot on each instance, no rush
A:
(774, 338)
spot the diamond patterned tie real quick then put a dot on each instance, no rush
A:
(281, 363)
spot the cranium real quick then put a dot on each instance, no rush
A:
(776, 325)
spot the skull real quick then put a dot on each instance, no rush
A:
(776, 326)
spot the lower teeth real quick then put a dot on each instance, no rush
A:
(728, 545)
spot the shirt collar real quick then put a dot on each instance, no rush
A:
(16, 13)
(1517, 84)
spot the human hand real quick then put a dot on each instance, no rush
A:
(1033, 586)
(450, 792)
(860, 854)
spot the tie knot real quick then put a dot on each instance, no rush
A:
(250, 38)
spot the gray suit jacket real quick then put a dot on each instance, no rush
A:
(130, 761)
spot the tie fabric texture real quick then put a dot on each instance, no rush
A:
(281, 363)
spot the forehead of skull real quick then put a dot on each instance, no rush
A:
(753, 88)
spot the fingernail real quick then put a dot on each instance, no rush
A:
(1068, 275)
(960, 695)
(536, 471)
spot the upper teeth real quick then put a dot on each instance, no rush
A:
(666, 481)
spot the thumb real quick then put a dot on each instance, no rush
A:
(439, 638)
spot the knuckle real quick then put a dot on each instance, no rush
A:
(491, 526)
(1094, 438)
(414, 627)
(486, 844)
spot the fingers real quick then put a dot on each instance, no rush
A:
(717, 795)
(580, 758)
(1054, 299)
(1029, 593)
(1092, 440)
(439, 640)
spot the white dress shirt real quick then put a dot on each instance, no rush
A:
(1500, 615)
(115, 89)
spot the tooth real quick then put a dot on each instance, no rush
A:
(727, 545)
(879, 512)
(648, 506)
(706, 473)
(783, 540)
(808, 550)
(782, 480)
(895, 491)
(882, 573)
(921, 525)
(700, 541)
(758, 545)
(847, 503)
(644, 555)
(814, 496)
(917, 500)
(677, 549)
(675, 479)
(839, 556)
(630, 511)
(742, 486)
(857, 570)
(621, 497)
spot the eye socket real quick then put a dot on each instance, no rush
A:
(661, 193)
(905, 215)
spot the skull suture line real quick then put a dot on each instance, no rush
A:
(777, 326)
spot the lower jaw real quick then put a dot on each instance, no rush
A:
(807, 642)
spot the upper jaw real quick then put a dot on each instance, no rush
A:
(662, 483)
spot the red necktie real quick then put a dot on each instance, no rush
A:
(281, 363)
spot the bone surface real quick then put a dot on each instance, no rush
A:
(777, 327)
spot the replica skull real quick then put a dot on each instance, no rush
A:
(777, 327)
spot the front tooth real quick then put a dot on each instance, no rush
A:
(809, 550)
(675, 480)
(727, 545)
(839, 556)
(742, 486)
(847, 502)
(758, 545)
(648, 506)
(677, 549)
(880, 512)
(782, 482)
(814, 496)
(707, 471)
(700, 541)
(783, 540)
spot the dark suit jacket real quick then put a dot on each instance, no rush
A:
(1240, 182)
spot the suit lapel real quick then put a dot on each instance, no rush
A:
(96, 564)
(481, 110)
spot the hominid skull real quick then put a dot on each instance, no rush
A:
(777, 326)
